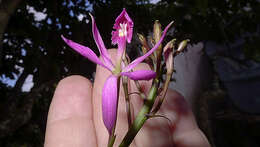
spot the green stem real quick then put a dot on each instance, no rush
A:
(142, 116)
(111, 141)
(127, 100)
(128, 109)
(165, 88)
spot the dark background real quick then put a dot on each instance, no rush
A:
(31, 46)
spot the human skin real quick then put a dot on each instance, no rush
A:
(75, 116)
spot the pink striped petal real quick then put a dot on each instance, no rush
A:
(100, 44)
(140, 59)
(109, 102)
(84, 51)
(140, 74)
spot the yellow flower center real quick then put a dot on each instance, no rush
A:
(123, 30)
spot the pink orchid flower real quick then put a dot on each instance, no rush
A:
(123, 33)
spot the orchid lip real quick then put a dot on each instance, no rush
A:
(123, 27)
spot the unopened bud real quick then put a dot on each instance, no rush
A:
(157, 33)
(182, 45)
(141, 38)
(168, 55)
(143, 41)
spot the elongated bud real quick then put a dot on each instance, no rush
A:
(168, 55)
(143, 41)
(183, 45)
(141, 38)
(157, 33)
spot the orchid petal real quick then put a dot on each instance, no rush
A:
(84, 51)
(109, 102)
(140, 59)
(100, 44)
(140, 74)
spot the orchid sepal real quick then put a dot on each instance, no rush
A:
(100, 44)
(85, 51)
(140, 74)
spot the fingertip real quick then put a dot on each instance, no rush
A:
(70, 119)
(71, 96)
(75, 80)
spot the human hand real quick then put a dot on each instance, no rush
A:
(75, 117)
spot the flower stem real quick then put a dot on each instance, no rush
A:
(127, 100)
(165, 88)
(142, 116)
(111, 141)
